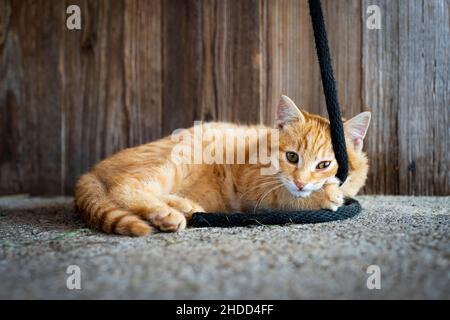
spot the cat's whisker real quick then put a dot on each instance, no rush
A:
(257, 192)
(264, 184)
(260, 185)
(265, 195)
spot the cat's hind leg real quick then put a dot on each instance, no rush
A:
(101, 212)
(147, 203)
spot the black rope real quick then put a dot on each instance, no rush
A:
(329, 89)
(270, 217)
(278, 217)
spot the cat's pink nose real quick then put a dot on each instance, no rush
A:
(300, 185)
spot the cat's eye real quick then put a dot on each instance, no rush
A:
(323, 165)
(292, 157)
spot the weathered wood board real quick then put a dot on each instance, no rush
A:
(138, 69)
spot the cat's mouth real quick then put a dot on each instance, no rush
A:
(292, 188)
(300, 194)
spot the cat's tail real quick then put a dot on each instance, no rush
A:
(92, 201)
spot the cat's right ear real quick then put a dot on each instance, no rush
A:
(287, 112)
(356, 129)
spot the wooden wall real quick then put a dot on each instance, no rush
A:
(139, 69)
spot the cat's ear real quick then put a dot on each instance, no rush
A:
(356, 129)
(287, 111)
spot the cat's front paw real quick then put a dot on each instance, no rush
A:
(334, 198)
(168, 219)
(185, 206)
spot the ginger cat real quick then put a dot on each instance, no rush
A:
(144, 189)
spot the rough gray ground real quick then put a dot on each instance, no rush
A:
(407, 237)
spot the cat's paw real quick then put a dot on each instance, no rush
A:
(185, 206)
(334, 198)
(167, 219)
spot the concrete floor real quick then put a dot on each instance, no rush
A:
(407, 237)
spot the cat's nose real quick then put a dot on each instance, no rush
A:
(300, 185)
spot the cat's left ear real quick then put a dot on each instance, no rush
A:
(287, 112)
(356, 129)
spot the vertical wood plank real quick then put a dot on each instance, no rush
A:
(143, 70)
(182, 63)
(30, 97)
(112, 81)
(245, 37)
(212, 62)
(440, 97)
(380, 93)
(96, 125)
(232, 49)
(406, 82)
(290, 57)
(424, 95)
(344, 28)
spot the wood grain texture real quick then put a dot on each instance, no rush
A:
(291, 61)
(30, 97)
(406, 84)
(380, 93)
(424, 97)
(112, 81)
(94, 84)
(290, 57)
(139, 69)
(142, 63)
(212, 62)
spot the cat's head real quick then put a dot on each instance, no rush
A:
(306, 154)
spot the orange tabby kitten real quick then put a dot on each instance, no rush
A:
(145, 188)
